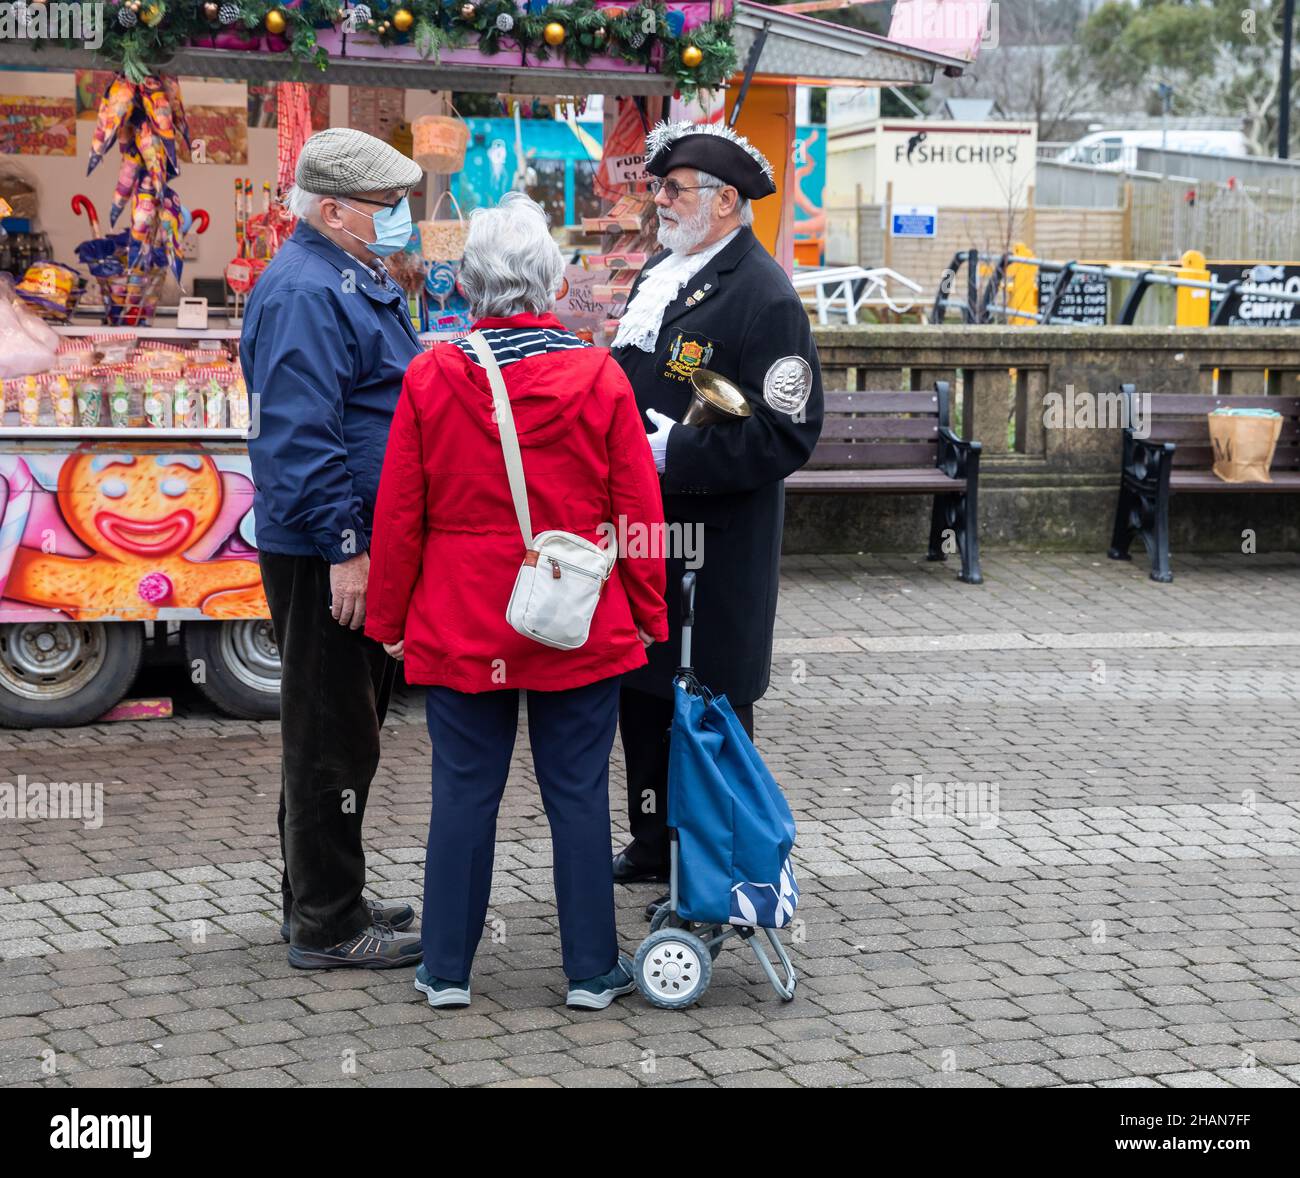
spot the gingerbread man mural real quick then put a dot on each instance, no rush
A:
(139, 514)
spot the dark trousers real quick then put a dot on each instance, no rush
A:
(473, 737)
(334, 690)
(644, 723)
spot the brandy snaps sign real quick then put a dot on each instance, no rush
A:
(580, 308)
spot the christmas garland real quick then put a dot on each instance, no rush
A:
(141, 35)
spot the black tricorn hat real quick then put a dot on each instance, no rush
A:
(712, 148)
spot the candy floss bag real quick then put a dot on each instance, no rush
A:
(26, 344)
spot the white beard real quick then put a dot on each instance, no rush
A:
(685, 235)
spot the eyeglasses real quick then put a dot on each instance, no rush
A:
(672, 190)
(383, 204)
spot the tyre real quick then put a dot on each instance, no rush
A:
(672, 968)
(56, 674)
(236, 665)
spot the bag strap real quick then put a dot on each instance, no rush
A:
(509, 439)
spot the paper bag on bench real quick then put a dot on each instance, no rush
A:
(1244, 441)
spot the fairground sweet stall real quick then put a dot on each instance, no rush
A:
(140, 185)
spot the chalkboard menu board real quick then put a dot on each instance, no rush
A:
(1086, 301)
(1248, 310)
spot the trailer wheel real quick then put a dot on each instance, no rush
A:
(238, 666)
(56, 674)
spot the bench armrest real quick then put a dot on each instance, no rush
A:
(1146, 464)
(957, 457)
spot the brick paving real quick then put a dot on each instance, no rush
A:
(1049, 834)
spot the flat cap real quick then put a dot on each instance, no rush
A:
(342, 162)
(712, 148)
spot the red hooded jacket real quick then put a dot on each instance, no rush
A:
(446, 546)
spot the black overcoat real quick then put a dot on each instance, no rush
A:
(738, 316)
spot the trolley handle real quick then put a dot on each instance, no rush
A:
(688, 620)
(688, 599)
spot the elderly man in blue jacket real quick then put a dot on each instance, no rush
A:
(326, 340)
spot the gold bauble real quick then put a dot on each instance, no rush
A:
(691, 57)
(275, 22)
(403, 20)
(553, 34)
(150, 15)
(211, 9)
(468, 12)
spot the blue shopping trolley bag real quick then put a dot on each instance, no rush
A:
(734, 827)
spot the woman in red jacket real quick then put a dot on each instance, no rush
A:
(444, 557)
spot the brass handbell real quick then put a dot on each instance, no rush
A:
(715, 399)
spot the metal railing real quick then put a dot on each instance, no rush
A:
(981, 308)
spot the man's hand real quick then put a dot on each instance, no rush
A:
(659, 439)
(396, 650)
(646, 640)
(348, 591)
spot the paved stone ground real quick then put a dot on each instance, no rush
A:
(1092, 881)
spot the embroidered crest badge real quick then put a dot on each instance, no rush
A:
(686, 354)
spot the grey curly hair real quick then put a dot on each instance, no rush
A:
(512, 264)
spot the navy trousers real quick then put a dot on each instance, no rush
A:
(473, 737)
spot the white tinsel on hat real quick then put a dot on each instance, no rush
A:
(664, 134)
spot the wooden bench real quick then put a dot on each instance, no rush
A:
(898, 443)
(1177, 456)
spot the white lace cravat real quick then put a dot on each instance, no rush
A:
(640, 324)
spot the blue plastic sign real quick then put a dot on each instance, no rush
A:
(914, 220)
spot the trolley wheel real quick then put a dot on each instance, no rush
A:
(794, 985)
(664, 917)
(240, 665)
(56, 674)
(672, 968)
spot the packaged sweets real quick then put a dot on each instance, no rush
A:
(119, 402)
(187, 406)
(238, 397)
(113, 349)
(29, 402)
(65, 413)
(214, 404)
(90, 401)
(157, 401)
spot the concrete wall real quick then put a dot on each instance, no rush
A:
(1044, 487)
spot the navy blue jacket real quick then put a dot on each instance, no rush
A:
(324, 348)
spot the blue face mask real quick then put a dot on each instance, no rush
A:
(392, 229)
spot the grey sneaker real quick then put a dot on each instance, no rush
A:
(396, 916)
(371, 948)
(441, 992)
(598, 993)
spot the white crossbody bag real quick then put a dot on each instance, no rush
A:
(560, 581)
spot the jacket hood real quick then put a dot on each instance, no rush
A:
(547, 392)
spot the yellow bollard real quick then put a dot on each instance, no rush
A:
(1022, 286)
(1192, 308)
